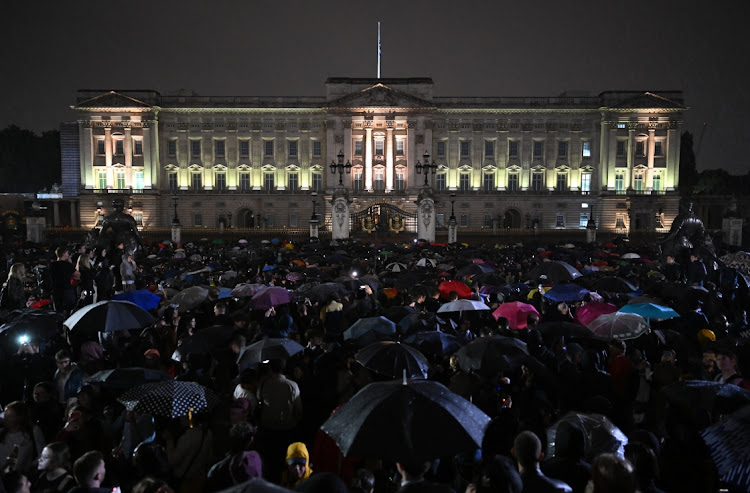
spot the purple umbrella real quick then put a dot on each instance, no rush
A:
(270, 297)
(591, 311)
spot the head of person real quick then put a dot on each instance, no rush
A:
(363, 481)
(89, 470)
(297, 462)
(611, 474)
(62, 253)
(220, 308)
(617, 347)
(54, 455)
(532, 320)
(15, 482)
(83, 262)
(151, 485)
(726, 361)
(239, 411)
(64, 361)
(238, 343)
(44, 392)
(17, 417)
(644, 462)
(245, 466)
(527, 449)
(18, 271)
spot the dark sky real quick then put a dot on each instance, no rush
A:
(469, 47)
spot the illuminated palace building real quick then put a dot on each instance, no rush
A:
(253, 162)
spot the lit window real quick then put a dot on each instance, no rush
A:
(379, 180)
(584, 221)
(268, 181)
(638, 181)
(293, 181)
(488, 182)
(463, 182)
(657, 182)
(400, 180)
(559, 220)
(379, 149)
(195, 148)
(197, 180)
(585, 182)
(562, 182)
(513, 182)
(244, 181)
(399, 147)
(221, 181)
(619, 181)
(586, 148)
(513, 148)
(172, 180)
(621, 125)
(465, 145)
(102, 180)
(138, 179)
(120, 180)
(268, 148)
(536, 182)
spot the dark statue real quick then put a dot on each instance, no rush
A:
(124, 228)
(687, 235)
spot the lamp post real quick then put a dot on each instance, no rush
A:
(427, 166)
(340, 167)
(175, 219)
(314, 218)
(314, 196)
(176, 227)
(453, 201)
(230, 220)
(452, 223)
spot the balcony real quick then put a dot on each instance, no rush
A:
(121, 191)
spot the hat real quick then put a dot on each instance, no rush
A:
(152, 353)
(241, 405)
(245, 466)
(297, 460)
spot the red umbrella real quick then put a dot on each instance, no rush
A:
(600, 263)
(40, 304)
(545, 254)
(445, 288)
(610, 245)
(516, 312)
(589, 312)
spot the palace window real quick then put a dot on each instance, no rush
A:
(293, 148)
(488, 182)
(638, 181)
(513, 182)
(138, 179)
(357, 147)
(317, 181)
(562, 149)
(268, 181)
(292, 220)
(119, 147)
(197, 180)
(197, 220)
(245, 148)
(268, 148)
(640, 149)
(487, 221)
(440, 181)
(584, 220)
(464, 220)
(293, 181)
(464, 182)
(317, 148)
(195, 148)
(465, 146)
(244, 181)
(489, 148)
(536, 181)
(221, 180)
(219, 148)
(562, 182)
(379, 180)
(172, 181)
(138, 147)
(560, 220)
(100, 149)
(441, 148)
(120, 180)
(657, 181)
(400, 183)
(357, 181)
(619, 182)
(586, 148)
(512, 148)
(399, 147)
(538, 148)
(658, 150)
(620, 148)
(102, 180)
(585, 182)
(379, 147)
(172, 148)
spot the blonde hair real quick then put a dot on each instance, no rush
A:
(83, 262)
(15, 271)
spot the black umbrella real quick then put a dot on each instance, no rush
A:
(125, 378)
(35, 324)
(721, 398)
(434, 342)
(256, 485)
(370, 329)
(551, 330)
(327, 291)
(555, 271)
(206, 341)
(613, 285)
(169, 398)
(601, 436)
(407, 420)
(267, 349)
(729, 445)
(108, 316)
(490, 355)
(391, 359)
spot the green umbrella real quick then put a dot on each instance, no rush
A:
(218, 241)
(386, 253)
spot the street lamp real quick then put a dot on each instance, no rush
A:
(340, 167)
(314, 196)
(175, 219)
(453, 201)
(230, 220)
(426, 167)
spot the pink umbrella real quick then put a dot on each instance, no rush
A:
(589, 312)
(516, 312)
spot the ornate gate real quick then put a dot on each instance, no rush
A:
(382, 219)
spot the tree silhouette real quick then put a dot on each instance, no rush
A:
(688, 166)
(28, 162)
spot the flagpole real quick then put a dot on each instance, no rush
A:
(379, 51)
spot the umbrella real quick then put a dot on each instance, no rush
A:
(125, 378)
(475, 269)
(396, 267)
(294, 276)
(555, 271)
(463, 306)
(141, 297)
(631, 255)
(327, 291)
(551, 330)
(601, 436)
(566, 292)
(446, 287)
(613, 285)
(169, 398)
(491, 355)
(256, 485)
(618, 325)
(109, 316)
(728, 443)
(392, 359)
(35, 324)
(398, 420)
(273, 296)
(370, 328)
(267, 349)
(516, 312)
(190, 298)
(650, 310)
(715, 397)
(434, 342)
(206, 341)
(246, 290)
(591, 311)
(267, 268)
(426, 262)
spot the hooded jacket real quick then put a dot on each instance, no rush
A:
(297, 450)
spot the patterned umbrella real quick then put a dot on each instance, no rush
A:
(426, 262)
(273, 296)
(396, 267)
(189, 298)
(168, 398)
(729, 445)
(294, 276)
(246, 290)
(109, 316)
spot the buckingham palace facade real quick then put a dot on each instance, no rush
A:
(253, 162)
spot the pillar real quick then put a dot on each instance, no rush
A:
(368, 156)
(650, 159)
(55, 213)
(73, 214)
(591, 228)
(340, 214)
(389, 171)
(176, 233)
(314, 225)
(426, 215)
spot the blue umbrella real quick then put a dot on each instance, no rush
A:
(268, 267)
(142, 297)
(650, 310)
(566, 292)
(225, 293)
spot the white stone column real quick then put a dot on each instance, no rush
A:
(148, 158)
(426, 215)
(673, 157)
(631, 154)
(56, 213)
(389, 171)
(650, 160)
(368, 156)
(128, 149)
(108, 146)
(86, 143)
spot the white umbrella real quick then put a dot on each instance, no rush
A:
(631, 255)
(426, 262)
(463, 306)
(396, 267)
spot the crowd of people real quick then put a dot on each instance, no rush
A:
(63, 430)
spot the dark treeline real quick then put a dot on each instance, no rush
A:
(28, 161)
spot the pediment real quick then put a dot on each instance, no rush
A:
(647, 100)
(380, 95)
(112, 99)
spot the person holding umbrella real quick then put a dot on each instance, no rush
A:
(412, 479)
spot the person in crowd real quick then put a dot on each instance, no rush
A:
(726, 363)
(612, 474)
(46, 412)
(298, 465)
(15, 482)
(128, 269)
(53, 464)
(89, 471)
(240, 464)
(527, 449)
(13, 294)
(61, 273)
(85, 275)
(497, 474)
(695, 273)
(190, 452)
(568, 464)
(68, 378)
(412, 478)
(20, 440)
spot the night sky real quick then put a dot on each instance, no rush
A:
(469, 48)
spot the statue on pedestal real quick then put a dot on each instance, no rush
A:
(688, 234)
(124, 228)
